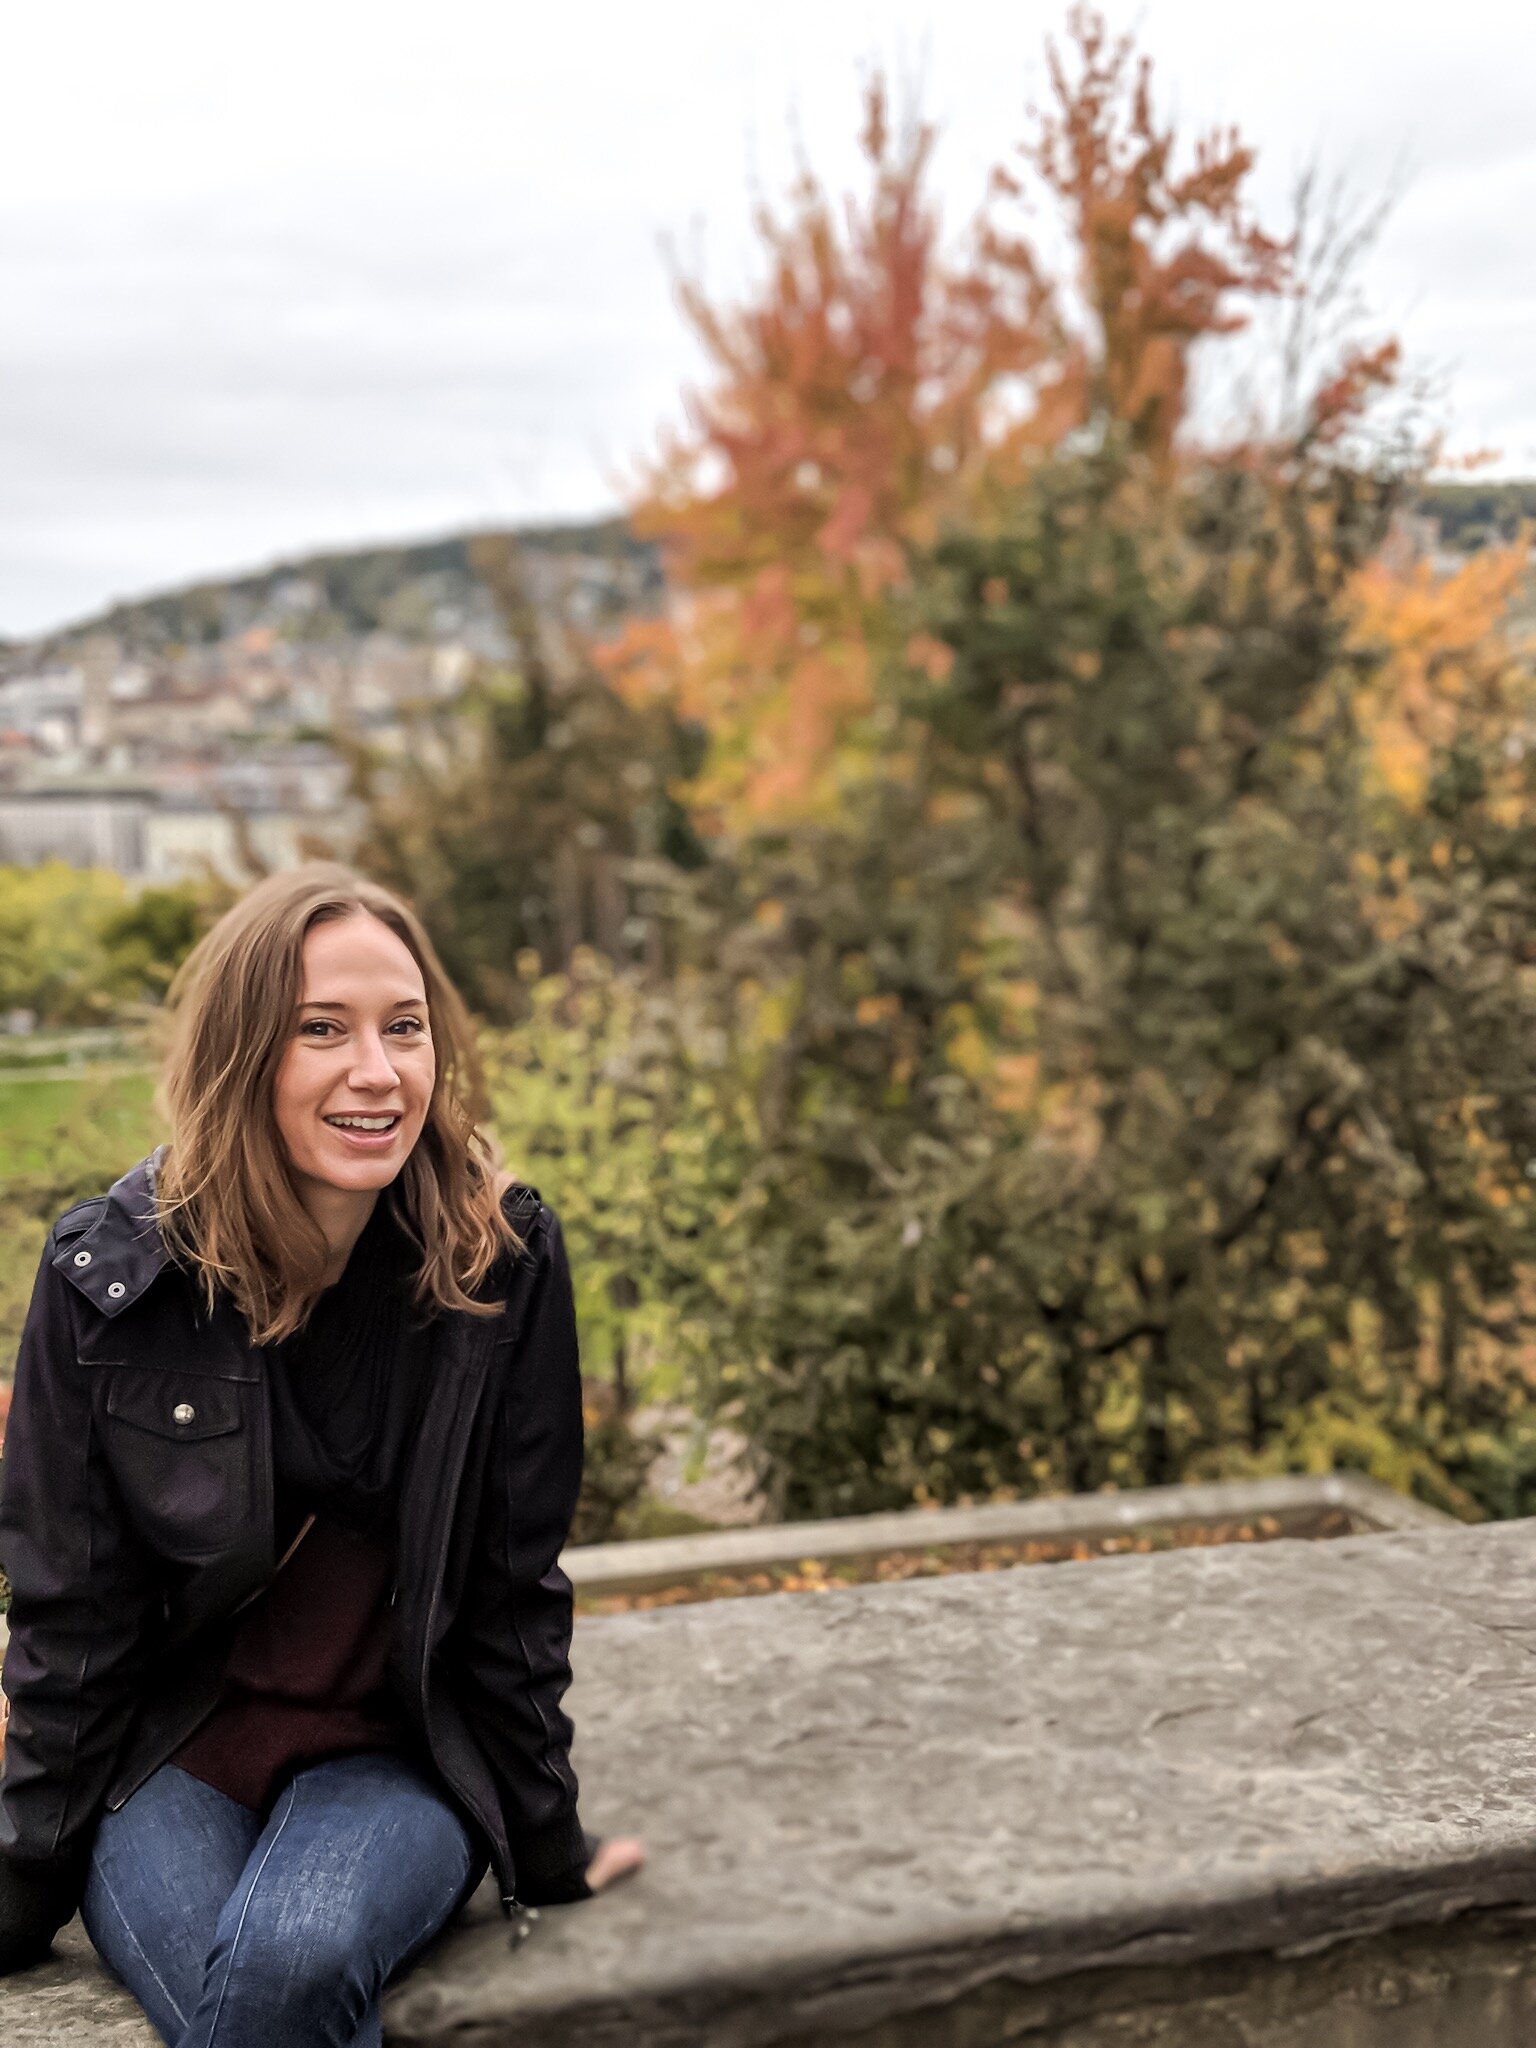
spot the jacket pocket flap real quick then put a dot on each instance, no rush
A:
(180, 1406)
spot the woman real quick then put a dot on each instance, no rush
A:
(294, 1447)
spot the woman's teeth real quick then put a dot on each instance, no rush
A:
(364, 1123)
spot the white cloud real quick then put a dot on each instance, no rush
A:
(287, 275)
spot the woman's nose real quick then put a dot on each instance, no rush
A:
(373, 1067)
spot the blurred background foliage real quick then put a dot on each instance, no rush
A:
(1023, 979)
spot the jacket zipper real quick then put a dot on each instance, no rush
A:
(510, 1903)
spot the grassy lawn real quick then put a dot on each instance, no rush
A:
(39, 1118)
(61, 1137)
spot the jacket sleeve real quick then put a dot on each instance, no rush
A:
(513, 1636)
(82, 1596)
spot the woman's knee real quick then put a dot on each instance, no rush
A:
(331, 1909)
(308, 1944)
(300, 1963)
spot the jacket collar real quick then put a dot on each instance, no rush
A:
(116, 1258)
(113, 1262)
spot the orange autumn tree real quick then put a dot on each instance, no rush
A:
(1104, 1120)
(1096, 1040)
(871, 386)
(879, 384)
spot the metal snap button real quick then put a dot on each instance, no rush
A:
(82, 1258)
(116, 1289)
(183, 1412)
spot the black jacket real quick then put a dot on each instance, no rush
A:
(136, 1520)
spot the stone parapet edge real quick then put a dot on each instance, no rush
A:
(1290, 1498)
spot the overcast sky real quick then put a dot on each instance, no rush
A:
(323, 271)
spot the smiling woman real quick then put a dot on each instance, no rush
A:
(320, 997)
(264, 1734)
(355, 1081)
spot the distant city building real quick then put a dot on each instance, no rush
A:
(147, 836)
(87, 827)
(218, 727)
(182, 844)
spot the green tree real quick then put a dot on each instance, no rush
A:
(532, 813)
(146, 940)
(51, 959)
(1149, 1094)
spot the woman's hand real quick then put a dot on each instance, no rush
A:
(615, 1859)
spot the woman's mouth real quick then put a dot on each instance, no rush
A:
(369, 1131)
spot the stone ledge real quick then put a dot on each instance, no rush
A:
(1295, 1500)
(956, 1811)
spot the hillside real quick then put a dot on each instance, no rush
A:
(422, 592)
(1473, 514)
(426, 592)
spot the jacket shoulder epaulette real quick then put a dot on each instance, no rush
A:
(74, 1222)
(521, 1205)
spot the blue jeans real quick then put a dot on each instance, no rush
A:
(237, 1933)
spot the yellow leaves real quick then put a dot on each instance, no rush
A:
(1306, 1251)
(1022, 998)
(1509, 808)
(969, 1053)
(1393, 917)
(1070, 1123)
(1445, 667)
(767, 1014)
(1403, 762)
(1386, 899)
(1018, 1083)
(949, 806)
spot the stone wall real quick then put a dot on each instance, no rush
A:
(1238, 1798)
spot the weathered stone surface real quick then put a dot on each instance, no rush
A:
(69, 2002)
(1472, 1983)
(1070, 1806)
(875, 1802)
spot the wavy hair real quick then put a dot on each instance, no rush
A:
(225, 1197)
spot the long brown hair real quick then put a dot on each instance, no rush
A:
(226, 1202)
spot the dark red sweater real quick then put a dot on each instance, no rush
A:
(306, 1676)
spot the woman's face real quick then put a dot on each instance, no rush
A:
(361, 1049)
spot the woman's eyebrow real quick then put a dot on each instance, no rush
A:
(337, 1003)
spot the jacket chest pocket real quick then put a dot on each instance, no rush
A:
(180, 1447)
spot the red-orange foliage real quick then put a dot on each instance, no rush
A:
(1340, 402)
(868, 388)
(1165, 260)
(876, 384)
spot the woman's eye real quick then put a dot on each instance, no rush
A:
(400, 1027)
